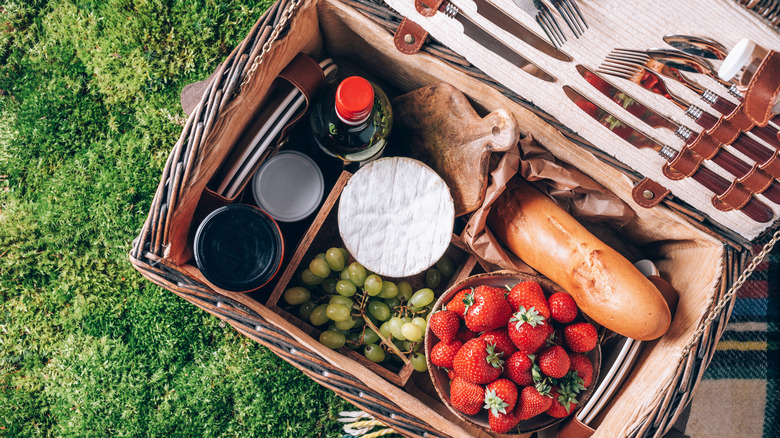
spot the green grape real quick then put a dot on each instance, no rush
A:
(370, 336)
(445, 266)
(433, 278)
(379, 310)
(389, 290)
(329, 285)
(411, 332)
(392, 302)
(353, 340)
(385, 329)
(319, 315)
(418, 362)
(344, 301)
(344, 275)
(420, 322)
(337, 312)
(319, 267)
(346, 288)
(296, 295)
(373, 285)
(347, 324)
(357, 273)
(320, 256)
(374, 353)
(305, 310)
(395, 324)
(308, 278)
(332, 339)
(345, 254)
(422, 298)
(405, 290)
(335, 259)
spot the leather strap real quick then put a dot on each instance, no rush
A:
(574, 428)
(648, 193)
(427, 9)
(772, 165)
(734, 198)
(305, 74)
(684, 164)
(705, 145)
(763, 90)
(756, 180)
(409, 37)
(725, 130)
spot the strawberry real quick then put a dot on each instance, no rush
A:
(518, 368)
(444, 324)
(528, 330)
(529, 295)
(532, 403)
(554, 362)
(563, 308)
(465, 396)
(478, 362)
(503, 423)
(464, 334)
(443, 353)
(500, 396)
(451, 374)
(583, 366)
(500, 338)
(581, 337)
(458, 304)
(562, 403)
(487, 309)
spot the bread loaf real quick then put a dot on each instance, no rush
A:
(606, 286)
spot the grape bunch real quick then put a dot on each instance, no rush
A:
(357, 308)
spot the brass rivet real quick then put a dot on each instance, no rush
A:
(409, 38)
(648, 194)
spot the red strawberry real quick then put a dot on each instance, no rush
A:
(563, 308)
(458, 304)
(465, 396)
(477, 362)
(581, 337)
(444, 325)
(583, 366)
(503, 423)
(518, 368)
(487, 309)
(500, 396)
(528, 330)
(529, 295)
(451, 374)
(562, 403)
(500, 338)
(464, 334)
(532, 403)
(443, 353)
(554, 362)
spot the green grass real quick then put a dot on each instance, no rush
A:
(89, 110)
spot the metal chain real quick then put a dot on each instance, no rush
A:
(285, 17)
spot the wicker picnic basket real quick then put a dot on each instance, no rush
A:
(705, 262)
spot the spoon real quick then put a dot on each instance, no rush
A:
(698, 46)
(686, 62)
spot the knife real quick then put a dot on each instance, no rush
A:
(498, 17)
(484, 38)
(722, 158)
(709, 179)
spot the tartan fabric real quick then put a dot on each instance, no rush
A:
(740, 392)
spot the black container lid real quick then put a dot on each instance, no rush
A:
(238, 248)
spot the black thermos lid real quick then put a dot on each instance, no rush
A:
(238, 248)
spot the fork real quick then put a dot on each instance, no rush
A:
(650, 81)
(571, 15)
(544, 18)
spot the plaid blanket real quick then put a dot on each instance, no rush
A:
(739, 395)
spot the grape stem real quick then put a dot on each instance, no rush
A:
(385, 341)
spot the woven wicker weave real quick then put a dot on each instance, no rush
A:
(257, 322)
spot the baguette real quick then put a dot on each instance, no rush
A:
(606, 286)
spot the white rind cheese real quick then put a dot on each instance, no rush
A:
(396, 216)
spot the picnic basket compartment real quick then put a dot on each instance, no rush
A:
(702, 260)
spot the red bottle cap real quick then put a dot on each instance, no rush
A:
(354, 100)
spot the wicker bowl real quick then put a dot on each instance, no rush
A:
(442, 382)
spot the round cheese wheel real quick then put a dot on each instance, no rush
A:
(396, 216)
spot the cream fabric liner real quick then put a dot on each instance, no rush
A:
(616, 24)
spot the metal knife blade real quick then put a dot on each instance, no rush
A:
(484, 38)
(754, 209)
(498, 17)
